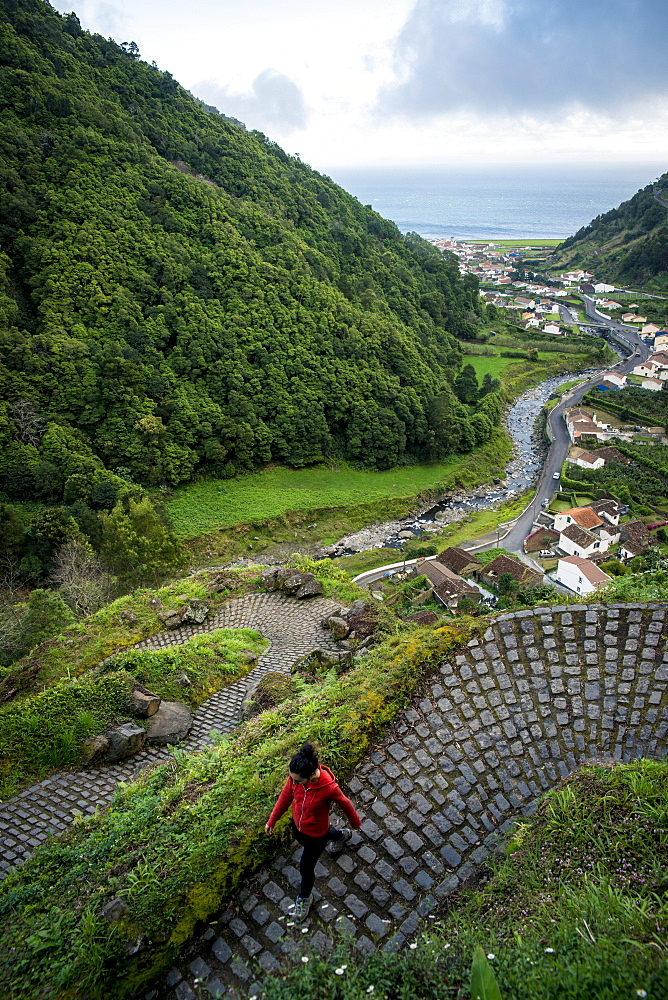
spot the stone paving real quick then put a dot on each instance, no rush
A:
(293, 628)
(493, 728)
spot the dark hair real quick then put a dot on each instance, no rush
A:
(305, 761)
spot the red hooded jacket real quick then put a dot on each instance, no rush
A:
(311, 804)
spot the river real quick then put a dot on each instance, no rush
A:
(521, 472)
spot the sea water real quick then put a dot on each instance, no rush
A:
(504, 203)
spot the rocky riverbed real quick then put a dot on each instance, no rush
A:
(454, 505)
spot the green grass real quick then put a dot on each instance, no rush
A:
(494, 365)
(86, 643)
(48, 729)
(577, 909)
(483, 522)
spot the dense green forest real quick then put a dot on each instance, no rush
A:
(181, 296)
(628, 244)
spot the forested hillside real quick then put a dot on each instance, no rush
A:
(180, 296)
(629, 244)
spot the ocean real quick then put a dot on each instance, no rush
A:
(539, 203)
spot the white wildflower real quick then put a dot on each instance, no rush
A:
(304, 958)
(412, 945)
(491, 956)
(549, 951)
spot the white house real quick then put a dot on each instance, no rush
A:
(585, 517)
(552, 328)
(650, 329)
(600, 288)
(577, 541)
(646, 369)
(585, 459)
(654, 384)
(615, 378)
(580, 575)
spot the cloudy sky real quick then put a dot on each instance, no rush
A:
(354, 83)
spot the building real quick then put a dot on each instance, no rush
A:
(490, 574)
(618, 380)
(581, 425)
(459, 561)
(585, 459)
(580, 575)
(636, 539)
(541, 538)
(610, 510)
(610, 454)
(577, 541)
(584, 517)
(452, 592)
(653, 384)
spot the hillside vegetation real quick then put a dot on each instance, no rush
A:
(629, 244)
(180, 296)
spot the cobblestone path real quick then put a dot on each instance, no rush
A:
(497, 725)
(293, 628)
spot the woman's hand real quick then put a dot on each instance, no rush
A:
(268, 829)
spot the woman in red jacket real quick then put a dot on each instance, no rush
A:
(312, 789)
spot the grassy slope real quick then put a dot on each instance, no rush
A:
(216, 503)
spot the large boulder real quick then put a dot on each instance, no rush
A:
(143, 702)
(95, 749)
(124, 741)
(338, 627)
(320, 661)
(170, 724)
(291, 582)
(195, 612)
(309, 588)
(268, 692)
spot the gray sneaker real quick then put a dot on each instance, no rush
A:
(337, 846)
(302, 908)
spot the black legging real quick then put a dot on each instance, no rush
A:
(313, 848)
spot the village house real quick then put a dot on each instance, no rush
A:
(541, 539)
(619, 381)
(585, 459)
(581, 425)
(653, 384)
(610, 510)
(610, 454)
(452, 592)
(636, 539)
(580, 575)
(650, 330)
(459, 561)
(448, 588)
(585, 517)
(577, 541)
(526, 577)
(552, 328)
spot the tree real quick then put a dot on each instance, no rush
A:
(137, 546)
(85, 583)
(489, 384)
(466, 385)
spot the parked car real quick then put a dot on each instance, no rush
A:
(556, 475)
(544, 503)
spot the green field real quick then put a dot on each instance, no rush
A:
(496, 365)
(516, 243)
(219, 503)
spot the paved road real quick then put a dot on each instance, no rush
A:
(547, 485)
